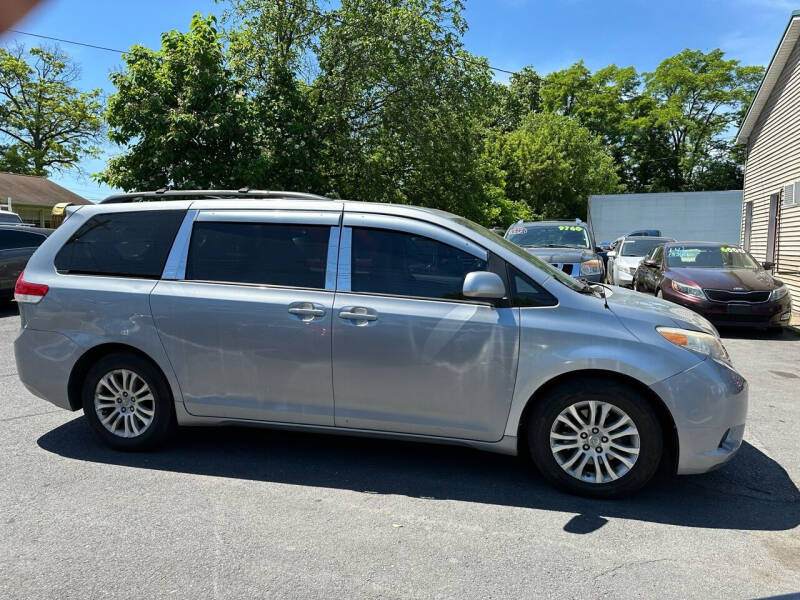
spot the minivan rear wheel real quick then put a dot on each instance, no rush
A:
(127, 402)
(595, 438)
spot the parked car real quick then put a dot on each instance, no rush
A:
(722, 282)
(567, 245)
(624, 259)
(17, 244)
(427, 326)
(644, 233)
(10, 218)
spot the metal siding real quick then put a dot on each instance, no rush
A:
(773, 159)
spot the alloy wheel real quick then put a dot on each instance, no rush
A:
(595, 441)
(124, 403)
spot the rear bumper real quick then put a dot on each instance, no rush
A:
(761, 314)
(44, 363)
(709, 406)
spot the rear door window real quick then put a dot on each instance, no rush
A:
(405, 264)
(19, 239)
(259, 253)
(125, 244)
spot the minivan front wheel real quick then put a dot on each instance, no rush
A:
(598, 438)
(127, 402)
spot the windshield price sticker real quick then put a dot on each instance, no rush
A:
(682, 252)
(732, 249)
(518, 230)
(570, 228)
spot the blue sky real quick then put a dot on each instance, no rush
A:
(549, 35)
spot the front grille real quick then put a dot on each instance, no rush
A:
(568, 268)
(728, 296)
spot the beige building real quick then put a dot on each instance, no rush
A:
(33, 198)
(771, 132)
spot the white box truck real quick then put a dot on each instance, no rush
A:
(689, 216)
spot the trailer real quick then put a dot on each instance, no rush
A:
(696, 216)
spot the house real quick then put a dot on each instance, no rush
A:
(770, 132)
(713, 216)
(34, 198)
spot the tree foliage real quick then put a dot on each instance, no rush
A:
(553, 164)
(46, 123)
(180, 115)
(378, 100)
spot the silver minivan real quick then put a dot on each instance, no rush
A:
(155, 310)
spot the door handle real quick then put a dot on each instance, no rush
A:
(306, 311)
(357, 313)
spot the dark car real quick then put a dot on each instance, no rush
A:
(644, 233)
(722, 282)
(17, 243)
(567, 245)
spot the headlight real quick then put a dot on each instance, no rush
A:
(696, 341)
(693, 291)
(592, 267)
(779, 293)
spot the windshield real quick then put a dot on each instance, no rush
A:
(556, 274)
(561, 236)
(710, 257)
(639, 247)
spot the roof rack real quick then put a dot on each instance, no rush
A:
(165, 194)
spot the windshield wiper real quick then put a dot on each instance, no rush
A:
(590, 286)
(552, 246)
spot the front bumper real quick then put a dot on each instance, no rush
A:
(709, 406)
(774, 313)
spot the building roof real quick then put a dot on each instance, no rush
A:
(774, 70)
(36, 191)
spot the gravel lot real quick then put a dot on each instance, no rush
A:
(238, 513)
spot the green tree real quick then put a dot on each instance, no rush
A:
(602, 101)
(553, 164)
(271, 43)
(182, 118)
(698, 99)
(519, 98)
(403, 108)
(46, 123)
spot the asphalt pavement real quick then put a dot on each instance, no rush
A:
(250, 513)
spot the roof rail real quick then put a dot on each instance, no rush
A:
(165, 194)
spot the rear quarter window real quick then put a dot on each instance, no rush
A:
(125, 244)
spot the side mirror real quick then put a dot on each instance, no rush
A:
(649, 262)
(768, 265)
(483, 284)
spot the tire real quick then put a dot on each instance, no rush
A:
(156, 409)
(624, 400)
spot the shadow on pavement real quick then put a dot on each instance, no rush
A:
(752, 492)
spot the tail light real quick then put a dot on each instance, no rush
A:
(29, 292)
